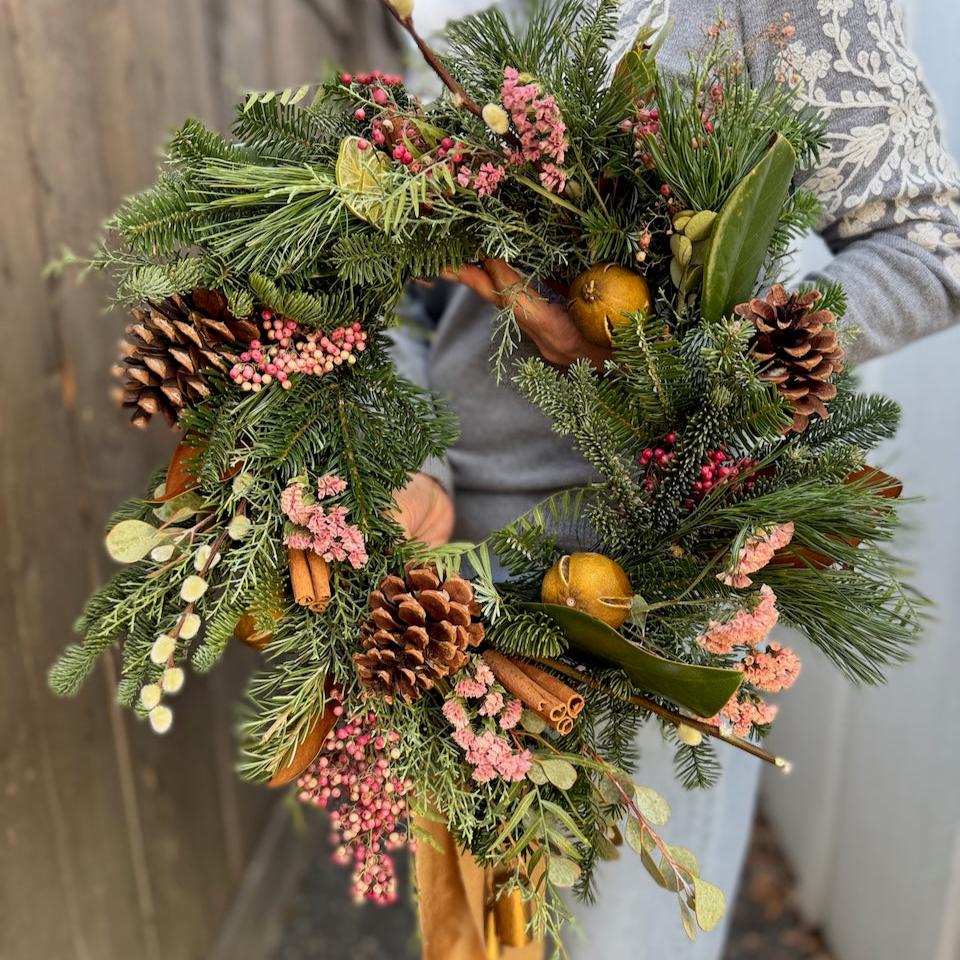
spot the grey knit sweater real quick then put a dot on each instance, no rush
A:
(892, 201)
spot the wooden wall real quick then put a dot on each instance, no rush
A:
(113, 843)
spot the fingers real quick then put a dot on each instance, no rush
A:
(477, 279)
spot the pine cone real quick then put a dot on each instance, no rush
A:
(169, 346)
(418, 631)
(797, 348)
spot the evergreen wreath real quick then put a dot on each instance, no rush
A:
(728, 441)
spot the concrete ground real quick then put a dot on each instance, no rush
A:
(318, 922)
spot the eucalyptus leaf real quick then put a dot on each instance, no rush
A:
(702, 690)
(742, 233)
(532, 722)
(652, 806)
(710, 904)
(687, 859)
(131, 540)
(634, 834)
(561, 773)
(537, 775)
(562, 872)
(686, 920)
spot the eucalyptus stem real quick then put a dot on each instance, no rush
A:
(708, 729)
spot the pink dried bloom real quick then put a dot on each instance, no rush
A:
(746, 629)
(483, 673)
(470, 689)
(330, 486)
(756, 553)
(492, 704)
(455, 713)
(510, 716)
(774, 670)
(488, 179)
(539, 126)
(299, 541)
(742, 714)
(295, 504)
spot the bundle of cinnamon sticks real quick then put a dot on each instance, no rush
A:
(538, 690)
(309, 579)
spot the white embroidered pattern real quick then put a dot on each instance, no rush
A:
(884, 160)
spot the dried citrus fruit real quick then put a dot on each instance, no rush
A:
(591, 583)
(360, 176)
(601, 296)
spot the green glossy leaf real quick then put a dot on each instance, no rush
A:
(710, 904)
(743, 230)
(703, 690)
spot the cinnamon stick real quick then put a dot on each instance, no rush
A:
(320, 576)
(572, 701)
(301, 582)
(528, 691)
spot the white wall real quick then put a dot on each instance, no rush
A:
(871, 815)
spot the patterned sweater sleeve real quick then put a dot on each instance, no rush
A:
(890, 191)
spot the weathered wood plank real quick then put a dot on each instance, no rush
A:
(114, 843)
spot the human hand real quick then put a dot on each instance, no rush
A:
(547, 324)
(424, 511)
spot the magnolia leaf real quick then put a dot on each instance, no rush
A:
(536, 774)
(702, 690)
(741, 235)
(561, 773)
(562, 872)
(131, 540)
(653, 807)
(710, 904)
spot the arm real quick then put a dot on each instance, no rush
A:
(890, 192)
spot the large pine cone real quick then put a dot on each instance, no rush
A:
(169, 346)
(418, 631)
(798, 349)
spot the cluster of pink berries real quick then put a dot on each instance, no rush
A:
(352, 775)
(292, 351)
(374, 77)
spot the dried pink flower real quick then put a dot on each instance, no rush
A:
(756, 553)
(776, 669)
(746, 629)
(330, 486)
(741, 714)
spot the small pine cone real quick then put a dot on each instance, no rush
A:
(797, 348)
(168, 349)
(419, 630)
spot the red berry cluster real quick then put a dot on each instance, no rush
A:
(654, 460)
(720, 469)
